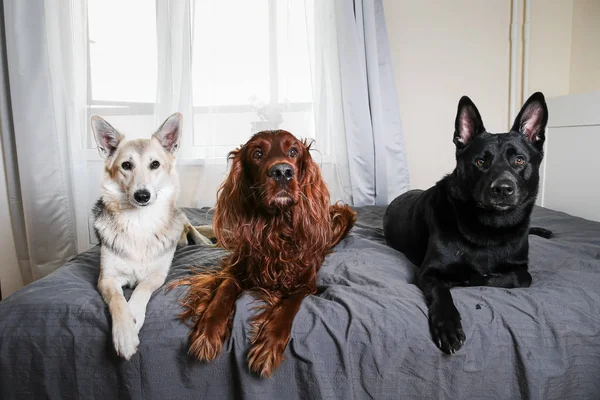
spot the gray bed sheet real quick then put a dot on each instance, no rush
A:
(363, 336)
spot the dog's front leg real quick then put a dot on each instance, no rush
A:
(214, 325)
(140, 297)
(509, 277)
(271, 332)
(124, 334)
(444, 319)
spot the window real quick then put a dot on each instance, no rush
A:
(250, 69)
(122, 37)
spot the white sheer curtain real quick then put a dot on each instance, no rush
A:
(357, 103)
(174, 73)
(47, 81)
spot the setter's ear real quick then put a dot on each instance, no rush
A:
(232, 208)
(313, 206)
(312, 183)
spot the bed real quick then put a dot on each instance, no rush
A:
(364, 335)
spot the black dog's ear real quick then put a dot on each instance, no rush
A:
(468, 123)
(532, 119)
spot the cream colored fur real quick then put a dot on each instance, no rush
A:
(138, 241)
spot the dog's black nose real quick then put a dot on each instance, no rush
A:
(282, 172)
(142, 196)
(503, 188)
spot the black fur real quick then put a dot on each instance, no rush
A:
(471, 228)
(97, 210)
(100, 212)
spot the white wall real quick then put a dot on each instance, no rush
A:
(441, 51)
(585, 47)
(550, 47)
(565, 48)
(10, 276)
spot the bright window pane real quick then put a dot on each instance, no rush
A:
(122, 50)
(294, 75)
(231, 52)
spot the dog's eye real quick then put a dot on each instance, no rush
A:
(154, 164)
(519, 160)
(480, 162)
(257, 155)
(126, 165)
(293, 153)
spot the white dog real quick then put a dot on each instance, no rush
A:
(137, 223)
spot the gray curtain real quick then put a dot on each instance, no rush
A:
(35, 146)
(378, 169)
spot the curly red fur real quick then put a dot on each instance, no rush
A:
(278, 233)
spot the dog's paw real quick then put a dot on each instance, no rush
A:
(125, 337)
(446, 329)
(206, 339)
(515, 279)
(205, 347)
(524, 279)
(476, 279)
(138, 312)
(266, 353)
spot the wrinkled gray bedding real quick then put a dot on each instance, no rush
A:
(364, 335)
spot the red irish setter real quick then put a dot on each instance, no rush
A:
(273, 215)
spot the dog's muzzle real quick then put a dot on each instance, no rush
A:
(282, 173)
(503, 188)
(503, 194)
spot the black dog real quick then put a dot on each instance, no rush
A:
(471, 228)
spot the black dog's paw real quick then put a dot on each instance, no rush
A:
(446, 329)
(514, 279)
(541, 232)
(476, 279)
(524, 279)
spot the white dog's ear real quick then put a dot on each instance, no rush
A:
(169, 133)
(107, 137)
